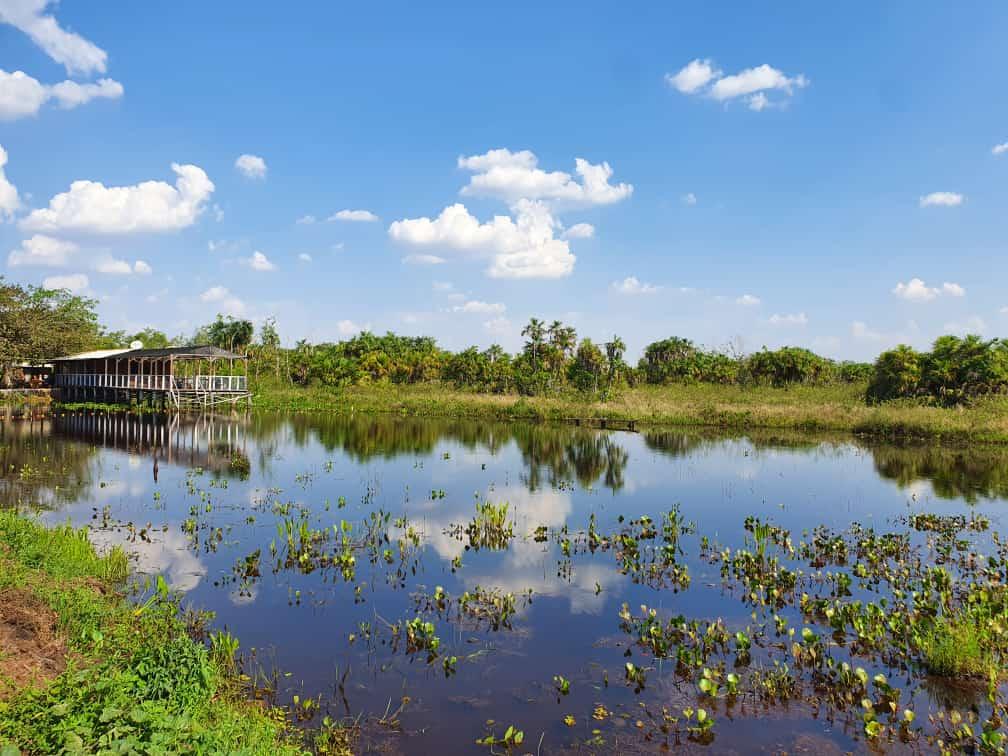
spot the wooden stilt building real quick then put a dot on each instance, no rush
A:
(174, 377)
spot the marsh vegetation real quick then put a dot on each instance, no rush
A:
(453, 585)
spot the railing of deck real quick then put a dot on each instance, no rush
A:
(152, 382)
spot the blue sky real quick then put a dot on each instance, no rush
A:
(828, 177)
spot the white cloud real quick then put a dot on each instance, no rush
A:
(91, 207)
(999, 149)
(915, 290)
(691, 77)
(753, 80)
(689, 199)
(424, 260)
(748, 300)
(224, 299)
(481, 308)
(443, 286)
(514, 175)
(580, 231)
(941, 199)
(348, 328)
(111, 266)
(259, 261)
(354, 216)
(1004, 310)
(42, 251)
(758, 101)
(524, 247)
(306, 220)
(630, 285)
(75, 53)
(215, 294)
(861, 332)
(497, 325)
(702, 77)
(304, 257)
(22, 96)
(75, 282)
(953, 289)
(974, 324)
(251, 166)
(791, 319)
(9, 199)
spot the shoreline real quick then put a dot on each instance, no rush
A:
(839, 408)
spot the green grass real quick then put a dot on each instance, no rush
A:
(838, 407)
(958, 647)
(135, 679)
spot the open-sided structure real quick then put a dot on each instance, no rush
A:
(176, 376)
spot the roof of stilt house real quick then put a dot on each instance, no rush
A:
(195, 352)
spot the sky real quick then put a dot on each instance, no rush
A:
(834, 177)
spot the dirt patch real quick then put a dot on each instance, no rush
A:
(32, 652)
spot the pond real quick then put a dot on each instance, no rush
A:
(326, 544)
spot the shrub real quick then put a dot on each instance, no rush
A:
(897, 374)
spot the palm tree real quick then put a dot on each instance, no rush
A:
(536, 335)
(614, 353)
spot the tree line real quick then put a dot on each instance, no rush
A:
(37, 323)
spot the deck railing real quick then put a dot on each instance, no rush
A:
(222, 383)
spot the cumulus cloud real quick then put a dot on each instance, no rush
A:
(114, 267)
(631, 285)
(580, 231)
(701, 77)
(259, 261)
(424, 260)
(353, 216)
(224, 299)
(251, 166)
(42, 251)
(151, 206)
(999, 149)
(9, 199)
(306, 220)
(481, 308)
(693, 76)
(791, 319)
(941, 199)
(748, 300)
(74, 282)
(689, 199)
(915, 290)
(72, 51)
(305, 257)
(22, 96)
(515, 175)
(523, 247)
(348, 328)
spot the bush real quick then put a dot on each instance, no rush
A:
(955, 371)
(789, 365)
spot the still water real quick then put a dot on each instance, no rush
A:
(208, 503)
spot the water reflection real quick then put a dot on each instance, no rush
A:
(229, 488)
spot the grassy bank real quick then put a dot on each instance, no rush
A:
(83, 670)
(838, 407)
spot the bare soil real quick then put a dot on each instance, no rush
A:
(32, 651)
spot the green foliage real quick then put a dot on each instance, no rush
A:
(136, 681)
(958, 647)
(955, 371)
(37, 323)
(787, 366)
(233, 334)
